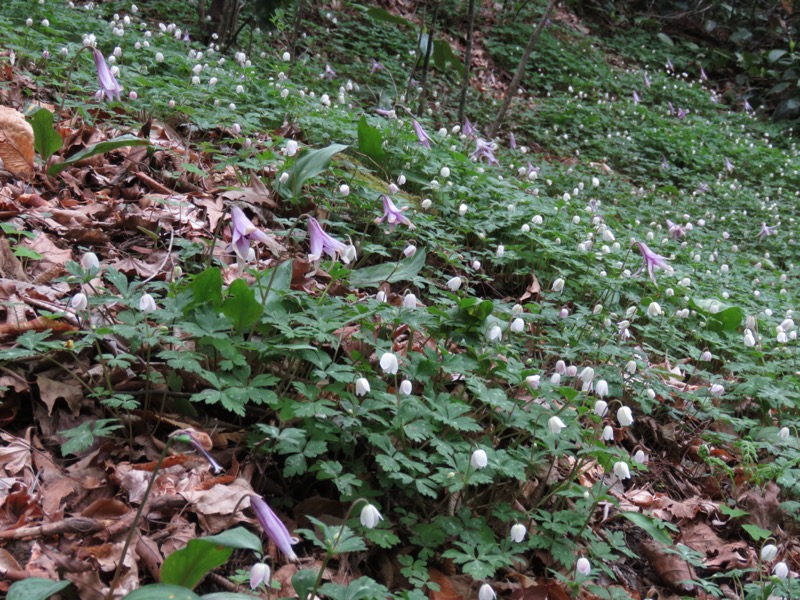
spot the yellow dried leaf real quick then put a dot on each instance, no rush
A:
(16, 142)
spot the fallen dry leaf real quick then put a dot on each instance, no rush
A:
(16, 143)
(673, 571)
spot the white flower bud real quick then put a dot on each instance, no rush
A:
(479, 459)
(389, 363)
(362, 386)
(625, 416)
(406, 387)
(370, 517)
(518, 532)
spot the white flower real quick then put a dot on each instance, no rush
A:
(555, 425)
(780, 570)
(717, 390)
(406, 387)
(410, 250)
(479, 460)
(389, 363)
(630, 367)
(608, 433)
(572, 371)
(706, 356)
(500, 251)
(517, 325)
(537, 220)
(654, 310)
(495, 333)
(401, 180)
(587, 375)
(602, 388)
(518, 532)
(445, 172)
(769, 552)
(462, 209)
(29, 22)
(583, 566)
(640, 457)
(454, 284)
(533, 381)
(362, 386)
(89, 261)
(79, 302)
(291, 148)
(625, 416)
(601, 408)
(409, 301)
(561, 366)
(476, 265)
(558, 285)
(525, 228)
(426, 204)
(259, 573)
(380, 296)
(147, 303)
(370, 517)
(783, 433)
(555, 378)
(286, 57)
(486, 592)
(622, 470)
(749, 338)
(344, 189)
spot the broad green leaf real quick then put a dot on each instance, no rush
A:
(241, 306)
(23, 252)
(162, 591)
(207, 287)
(380, 14)
(281, 283)
(370, 141)
(46, 140)
(303, 582)
(389, 272)
(99, 148)
(239, 538)
(188, 566)
(666, 39)
(444, 58)
(653, 527)
(721, 316)
(35, 588)
(732, 512)
(309, 164)
(80, 438)
(227, 596)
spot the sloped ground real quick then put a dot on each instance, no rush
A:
(492, 370)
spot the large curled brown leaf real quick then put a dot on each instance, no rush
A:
(16, 143)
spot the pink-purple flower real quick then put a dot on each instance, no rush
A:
(320, 242)
(651, 261)
(244, 232)
(484, 149)
(393, 215)
(422, 137)
(273, 526)
(675, 230)
(108, 83)
(766, 230)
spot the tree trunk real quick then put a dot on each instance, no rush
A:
(467, 63)
(512, 88)
(224, 19)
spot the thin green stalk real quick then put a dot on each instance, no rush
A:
(69, 77)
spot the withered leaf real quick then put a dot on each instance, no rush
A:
(16, 142)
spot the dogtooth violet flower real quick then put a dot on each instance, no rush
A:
(370, 517)
(392, 214)
(108, 83)
(243, 232)
(766, 230)
(273, 526)
(194, 440)
(651, 261)
(422, 137)
(675, 230)
(259, 573)
(484, 149)
(320, 242)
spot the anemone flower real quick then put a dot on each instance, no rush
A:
(651, 261)
(108, 83)
(243, 232)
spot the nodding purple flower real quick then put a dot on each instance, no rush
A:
(651, 261)
(636, 99)
(671, 108)
(703, 76)
(392, 214)
(675, 230)
(702, 188)
(593, 206)
(728, 165)
(646, 80)
(484, 149)
(108, 83)
(423, 138)
(329, 73)
(746, 106)
(186, 39)
(273, 526)
(321, 242)
(376, 66)
(669, 65)
(531, 169)
(767, 230)
(243, 232)
(194, 442)
(512, 141)
(468, 129)
(388, 113)
(664, 163)
(682, 113)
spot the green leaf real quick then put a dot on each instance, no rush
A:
(207, 287)
(732, 512)
(241, 306)
(666, 39)
(370, 141)
(310, 164)
(188, 566)
(23, 252)
(389, 272)
(720, 316)
(46, 139)
(303, 582)
(227, 596)
(35, 588)
(380, 14)
(94, 149)
(161, 591)
(239, 538)
(653, 527)
(281, 284)
(444, 58)
(756, 532)
(80, 438)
